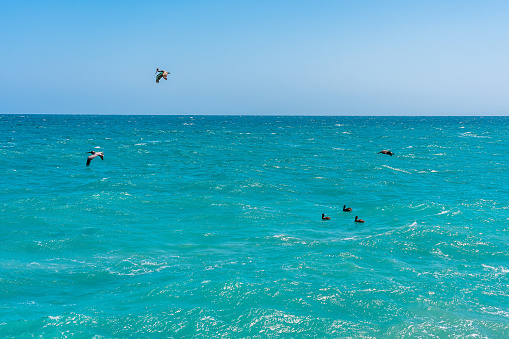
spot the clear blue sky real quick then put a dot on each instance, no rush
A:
(255, 57)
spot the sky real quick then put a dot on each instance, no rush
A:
(264, 57)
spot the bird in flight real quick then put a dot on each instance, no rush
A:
(161, 74)
(94, 154)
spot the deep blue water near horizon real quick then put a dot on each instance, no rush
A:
(210, 227)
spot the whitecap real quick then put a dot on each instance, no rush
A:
(494, 310)
(470, 134)
(351, 238)
(498, 270)
(397, 169)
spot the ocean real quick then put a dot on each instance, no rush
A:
(211, 227)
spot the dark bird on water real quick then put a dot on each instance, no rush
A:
(386, 152)
(94, 154)
(358, 220)
(349, 209)
(324, 217)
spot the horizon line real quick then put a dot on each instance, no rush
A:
(265, 115)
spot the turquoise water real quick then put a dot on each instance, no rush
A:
(210, 227)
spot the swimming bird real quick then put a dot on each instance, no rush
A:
(358, 220)
(324, 217)
(349, 209)
(94, 154)
(386, 152)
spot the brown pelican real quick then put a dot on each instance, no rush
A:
(349, 209)
(386, 152)
(324, 217)
(94, 154)
(358, 220)
(161, 74)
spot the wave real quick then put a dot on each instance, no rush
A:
(396, 169)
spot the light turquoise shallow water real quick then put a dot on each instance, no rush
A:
(210, 226)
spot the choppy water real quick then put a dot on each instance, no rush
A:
(210, 227)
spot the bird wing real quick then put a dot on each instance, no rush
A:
(90, 157)
(102, 157)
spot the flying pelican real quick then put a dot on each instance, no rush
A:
(94, 154)
(161, 74)
(386, 152)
